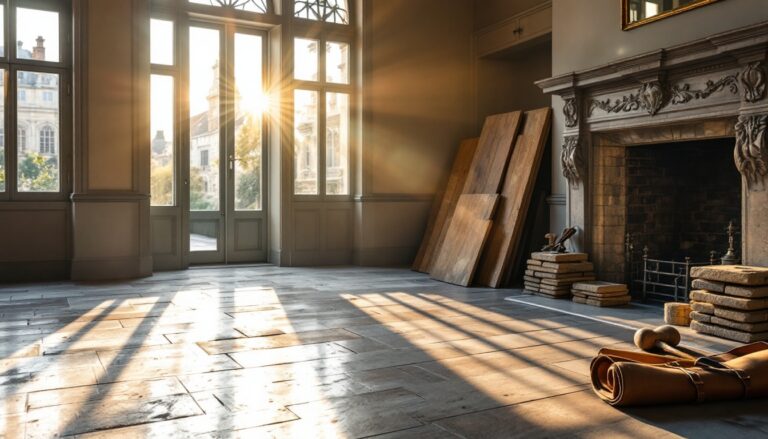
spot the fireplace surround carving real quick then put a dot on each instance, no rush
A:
(571, 159)
(711, 88)
(751, 153)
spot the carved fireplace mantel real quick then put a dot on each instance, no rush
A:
(710, 82)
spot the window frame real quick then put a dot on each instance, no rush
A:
(11, 65)
(174, 72)
(325, 32)
(350, 16)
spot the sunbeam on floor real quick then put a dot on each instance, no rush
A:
(321, 353)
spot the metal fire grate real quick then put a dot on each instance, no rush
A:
(657, 280)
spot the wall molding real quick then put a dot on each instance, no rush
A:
(556, 200)
(395, 198)
(108, 198)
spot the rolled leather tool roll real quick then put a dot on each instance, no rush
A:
(626, 378)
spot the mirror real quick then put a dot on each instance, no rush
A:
(639, 12)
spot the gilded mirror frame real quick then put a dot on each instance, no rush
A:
(626, 24)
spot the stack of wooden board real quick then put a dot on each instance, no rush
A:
(730, 302)
(597, 293)
(553, 274)
(476, 225)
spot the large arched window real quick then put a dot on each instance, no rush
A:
(323, 89)
(47, 140)
(329, 11)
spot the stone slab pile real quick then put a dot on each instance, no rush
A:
(602, 294)
(730, 301)
(553, 274)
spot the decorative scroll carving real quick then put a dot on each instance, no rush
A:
(571, 159)
(571, 113)
(753, 80)
(751, 152)
(650, 98)
(653, 96)
(682, 94)
(626, 104)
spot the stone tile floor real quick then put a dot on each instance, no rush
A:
(262, 352)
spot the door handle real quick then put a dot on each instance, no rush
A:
(232, 162)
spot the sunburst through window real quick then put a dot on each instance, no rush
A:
(329, 11)
(260, 6)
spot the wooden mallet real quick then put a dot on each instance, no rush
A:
(663, 338)
(666, 339)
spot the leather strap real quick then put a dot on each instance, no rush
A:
(698, 383)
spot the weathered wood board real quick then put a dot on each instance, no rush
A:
(516, 193)
(458, 257)
(493, 152)
(443, 208)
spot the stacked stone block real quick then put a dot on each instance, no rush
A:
(553, 274)
(602, 294)
(730, 301)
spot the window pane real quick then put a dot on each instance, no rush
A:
(337, 62)
(306, 54)
(244, 5)
(161, 42)
(337, 144)
(38, 125)
(37, 35)
(161, 114)
(249, 107)
(330, 11)
(203, 236)
(204, 119)
(305, 142)
(2, 133)
(2, 30)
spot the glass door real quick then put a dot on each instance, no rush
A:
(227, 111)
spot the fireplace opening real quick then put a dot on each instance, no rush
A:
(681, 198)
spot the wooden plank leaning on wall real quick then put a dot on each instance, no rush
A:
(445, 206)
(470, 226)
(515, 199)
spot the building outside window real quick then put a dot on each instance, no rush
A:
(47, 141)
(33, 75)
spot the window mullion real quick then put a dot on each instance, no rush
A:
(8, 144)
(322, 122)
(11, 174)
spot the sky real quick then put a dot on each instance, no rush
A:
(32, 23)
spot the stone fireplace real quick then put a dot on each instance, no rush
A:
(669, 147)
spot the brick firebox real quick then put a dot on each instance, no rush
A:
(673, 188)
